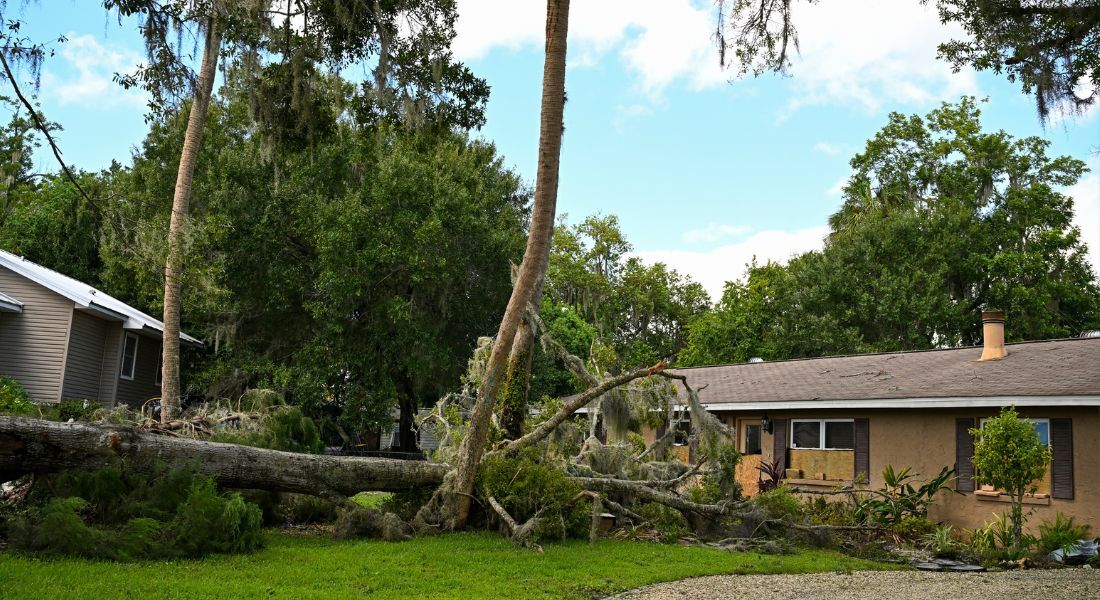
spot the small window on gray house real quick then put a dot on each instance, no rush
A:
(752, 439)
(129, 356)
(160, 364)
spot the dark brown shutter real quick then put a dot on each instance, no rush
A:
(779, 442)
(1061, 469)
(862, 449)
(964, 455)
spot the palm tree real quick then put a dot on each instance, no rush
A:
(173, 265)
(535, 258)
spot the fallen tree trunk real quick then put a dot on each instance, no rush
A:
(40, 446)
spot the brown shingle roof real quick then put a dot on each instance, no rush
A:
(1069, 367)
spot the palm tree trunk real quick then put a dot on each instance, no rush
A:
(173, 266)
(517, 378)
(535, 257)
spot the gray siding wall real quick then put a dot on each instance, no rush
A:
(33, 343)
(143, 386)
(108, 373)
(87, 339)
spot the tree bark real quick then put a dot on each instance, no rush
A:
(39, 446)
(535, 257)
(173, 265)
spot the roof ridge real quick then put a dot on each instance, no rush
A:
(892, 353)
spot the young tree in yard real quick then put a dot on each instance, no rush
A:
(1009, 455)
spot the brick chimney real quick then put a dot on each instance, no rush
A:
(993, 335)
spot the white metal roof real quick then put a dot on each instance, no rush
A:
(86, 297)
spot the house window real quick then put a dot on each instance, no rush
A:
(752, 439)
(129, 357)
(683, 431)
(1042, 431)
(1042, 428)
(160, 365)
(822, 434)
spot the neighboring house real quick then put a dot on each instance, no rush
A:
(62, 339)
(830, 421)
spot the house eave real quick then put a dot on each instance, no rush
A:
(901, 403)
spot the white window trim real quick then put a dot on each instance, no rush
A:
(160, 366)
(133, 363)
(745, 437)
(820, 433)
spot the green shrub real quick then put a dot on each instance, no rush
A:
(913, 528)
(995, 541)
(821, 511)
(780, 503)
(114, 514)
(669, 521)
(899, 498)
(76, 410)
(941, 542)
(208, 522)
(1061, 534)
(524, 486)
(13, 398)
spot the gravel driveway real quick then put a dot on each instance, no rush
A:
(908, 585)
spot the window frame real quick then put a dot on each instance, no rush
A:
(133, 357)
(745, 438)
(160, 367)
(682, 427)
(820, 434)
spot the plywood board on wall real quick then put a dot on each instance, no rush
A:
(835, 464)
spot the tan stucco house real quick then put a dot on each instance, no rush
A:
(830, 421)
(62, 339)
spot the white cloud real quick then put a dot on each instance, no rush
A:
(1086, 205)
(714, 232)
(873, 54)
(865, 53)
(658, 41)
(827, 148)
(727, 263)
(90, 81)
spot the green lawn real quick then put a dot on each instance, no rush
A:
(451, 566)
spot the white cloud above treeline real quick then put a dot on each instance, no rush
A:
(713, 268)
(865, 53)
(86, 76)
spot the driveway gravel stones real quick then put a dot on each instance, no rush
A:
(1079, 583)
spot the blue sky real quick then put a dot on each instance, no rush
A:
(704, 173)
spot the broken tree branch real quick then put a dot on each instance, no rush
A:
(573, 405)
